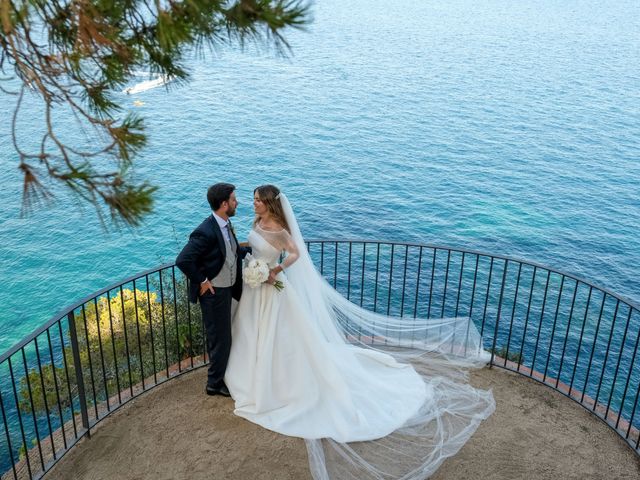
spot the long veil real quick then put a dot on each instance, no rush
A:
(441, 350)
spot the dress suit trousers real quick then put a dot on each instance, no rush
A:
(216, 315)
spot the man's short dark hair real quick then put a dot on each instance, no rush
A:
(218, 193)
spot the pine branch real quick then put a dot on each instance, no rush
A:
(77, 53)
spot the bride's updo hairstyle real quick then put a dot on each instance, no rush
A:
(270, 196)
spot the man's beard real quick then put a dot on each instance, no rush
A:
(231, 213)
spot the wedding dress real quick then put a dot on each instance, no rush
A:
(297, 367)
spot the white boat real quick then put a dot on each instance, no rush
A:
(148, 85)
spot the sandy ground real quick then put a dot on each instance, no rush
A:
(177, 432)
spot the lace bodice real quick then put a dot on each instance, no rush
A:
(269, 245)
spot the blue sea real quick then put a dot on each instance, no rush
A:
(503, 126)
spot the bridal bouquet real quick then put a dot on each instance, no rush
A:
(256, 272)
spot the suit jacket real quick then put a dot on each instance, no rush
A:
(204, 255)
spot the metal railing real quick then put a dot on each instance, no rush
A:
(93, 357)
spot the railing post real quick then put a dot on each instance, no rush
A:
(495, 331)
(78, 369)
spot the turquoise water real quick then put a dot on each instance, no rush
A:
(507, 127)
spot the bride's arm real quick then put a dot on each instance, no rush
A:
(288, 245)
(292, 252)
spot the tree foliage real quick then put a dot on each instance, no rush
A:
(122, 339)
(77, 53)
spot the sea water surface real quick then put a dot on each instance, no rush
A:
(503, 126)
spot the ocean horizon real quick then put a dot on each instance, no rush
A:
(507, 128)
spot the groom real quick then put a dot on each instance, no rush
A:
(211, 262)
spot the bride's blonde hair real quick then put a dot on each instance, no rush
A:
(270, 196)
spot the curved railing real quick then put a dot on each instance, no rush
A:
(91, 358)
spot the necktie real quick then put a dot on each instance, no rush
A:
(229, 234)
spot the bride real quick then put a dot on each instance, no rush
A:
(297, 367)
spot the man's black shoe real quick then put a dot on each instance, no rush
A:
(223, 390)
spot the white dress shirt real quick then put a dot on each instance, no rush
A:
(223, 226)
(222, 223)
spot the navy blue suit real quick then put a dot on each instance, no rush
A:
(202, 258)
